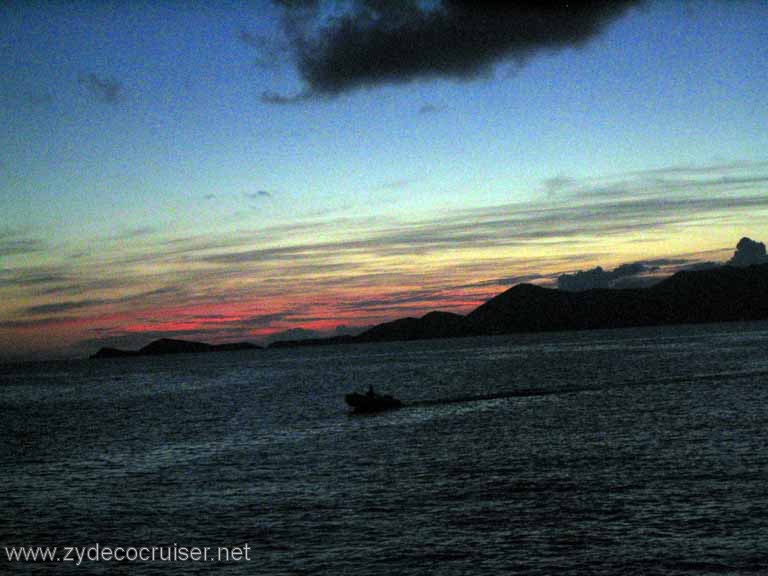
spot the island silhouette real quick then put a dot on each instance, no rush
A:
(722, 294)
(173, 346)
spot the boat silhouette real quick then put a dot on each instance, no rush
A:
(371, 402)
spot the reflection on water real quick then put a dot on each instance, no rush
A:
(632, 451)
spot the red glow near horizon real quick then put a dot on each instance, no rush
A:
(219, 322)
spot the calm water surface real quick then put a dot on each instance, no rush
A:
(638, 451)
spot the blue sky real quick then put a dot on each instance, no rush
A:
(139, 148)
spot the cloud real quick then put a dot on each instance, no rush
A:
(599, 278)
(384, 42)
(367, 269)
(30, 278)
(429, 109)
(56, 307)
(509, 225)
(136, 233)
(42, 100)
(16, 242)
(294, 334)
(398, 184)
(38, 322)
(644, 273)
(508, 281)
(104, 89)
(264, 320)
(554, 185)
(271, 97)
(700, 266)
(257, 195)
(748, 252)
(266, 50)
(26, 246)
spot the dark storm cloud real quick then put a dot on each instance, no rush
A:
(385, 41)
(748, 252)
(104, 89)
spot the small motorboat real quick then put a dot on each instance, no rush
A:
(371, 402)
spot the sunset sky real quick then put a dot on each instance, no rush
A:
(226, 173)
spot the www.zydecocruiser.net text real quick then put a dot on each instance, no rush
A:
(98, 553)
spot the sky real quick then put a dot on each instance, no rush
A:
(244, 170)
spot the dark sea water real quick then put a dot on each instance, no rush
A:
(639, 451)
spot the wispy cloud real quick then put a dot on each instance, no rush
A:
(137, 232)
(57, 307)
(267, 50)
(328, 271)
(428, 108)
(257, 195)
(32, 277)
(272, 97)
(38, 322)
(398, 184)
(104, 89)
(13, 243)
(675, 181)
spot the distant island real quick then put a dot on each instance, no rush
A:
(722, 294)
(172, 346)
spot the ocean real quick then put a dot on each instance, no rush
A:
(639, 451)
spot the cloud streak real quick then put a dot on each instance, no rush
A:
(57, 307)
(104, 89)
(12, 244)
(321, 272)
(258, 195)
(599, 278)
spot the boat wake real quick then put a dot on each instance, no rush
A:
(563, 390)
(522, 393)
